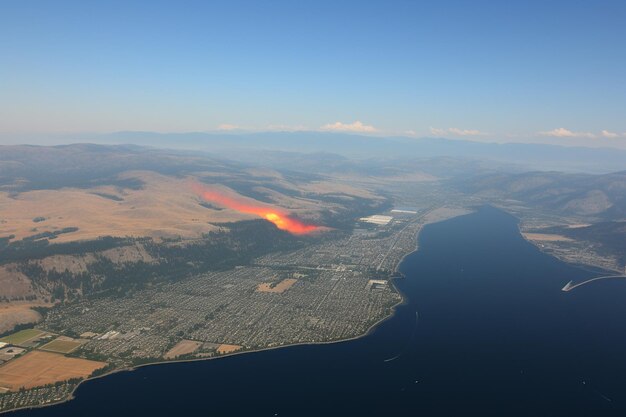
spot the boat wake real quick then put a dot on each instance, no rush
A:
(406, 347)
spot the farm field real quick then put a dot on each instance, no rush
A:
(22, 336)
(183, 347)
(62, 344)
(39, 368)
(224, 348)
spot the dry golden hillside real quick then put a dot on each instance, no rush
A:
(164, 207)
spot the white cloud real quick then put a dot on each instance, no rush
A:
(455, 131)
(227, 126)
(465, 132)
(561, 132)
(437, 132)
(286, 128)
(349, 127)
(607, 134)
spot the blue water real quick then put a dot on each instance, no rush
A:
(494, 335)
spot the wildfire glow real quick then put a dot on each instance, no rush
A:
(277, 216)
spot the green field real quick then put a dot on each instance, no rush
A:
(22, 336)
(61, 346)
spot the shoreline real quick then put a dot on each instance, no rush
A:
(585, 266)
(369, 331)
(396, 274)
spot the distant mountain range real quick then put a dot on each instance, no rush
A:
(600, 196)
(528, 156)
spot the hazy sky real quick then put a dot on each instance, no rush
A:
(488, 70)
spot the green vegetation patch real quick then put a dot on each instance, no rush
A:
(61, 346)
(22, 336)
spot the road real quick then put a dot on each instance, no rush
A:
(418, 218)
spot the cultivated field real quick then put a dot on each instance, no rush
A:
(183, 347)
(62, 344)
(39, 368)
(22, 336)
(224, 348)
(546, 237)
(281, 287)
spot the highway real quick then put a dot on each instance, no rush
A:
(418, 218)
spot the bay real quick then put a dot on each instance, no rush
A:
(485, 330)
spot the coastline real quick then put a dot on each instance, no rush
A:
(240, 352)
(396, 274)
(586, 266)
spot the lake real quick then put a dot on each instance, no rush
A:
(485, 330)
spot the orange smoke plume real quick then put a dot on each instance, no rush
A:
(277, 216)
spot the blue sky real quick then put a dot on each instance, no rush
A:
(486, 70)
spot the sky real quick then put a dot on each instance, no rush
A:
(524, 71)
